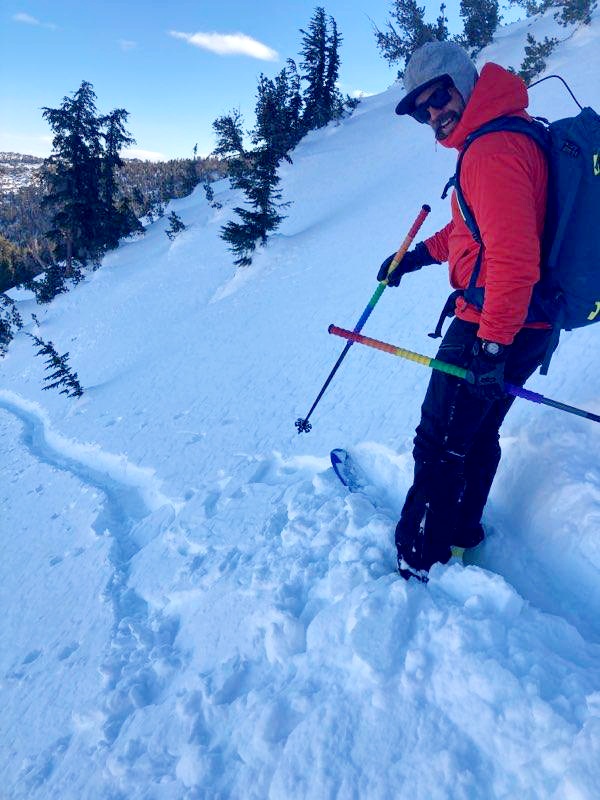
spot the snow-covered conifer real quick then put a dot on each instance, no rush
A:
(480, 20)
(406, 31)
(176, 225)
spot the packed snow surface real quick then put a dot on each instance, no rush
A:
(192, 604)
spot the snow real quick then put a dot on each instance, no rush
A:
(194, 607)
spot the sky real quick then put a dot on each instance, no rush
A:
(175, 67)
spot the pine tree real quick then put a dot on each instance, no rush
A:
(441, 32)
(320, 63)
(259, 180)
(481, 19)
(175, 225)
(230, 147)
(156, 206)
(283, 116)
(230, 136)
(89, 213)
(61, 374)
(294, 103)
(255, 171)
(263, 215)
(53, 283)
(570, 12)
(536, 54)
(270, 127)
(576, 11)
(74, 177)
(332, 99)
(13, 264)
(210, 196)
(9, 320)
(314, 64)
(118, 218)
(209, 193)
(533, 7)
(407, 30)
(278, 125)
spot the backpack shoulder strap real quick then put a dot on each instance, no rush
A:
(535, 130)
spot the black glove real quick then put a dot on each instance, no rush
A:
(411, 262)
(487, 367)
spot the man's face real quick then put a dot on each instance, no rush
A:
(443, 119)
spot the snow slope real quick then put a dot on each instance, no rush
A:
(193, 607)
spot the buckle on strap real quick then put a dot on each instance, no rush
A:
(447, 313)
(449, 185)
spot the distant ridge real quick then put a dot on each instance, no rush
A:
(17, 170)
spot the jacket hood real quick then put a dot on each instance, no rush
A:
(496, 93)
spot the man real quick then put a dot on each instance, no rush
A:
(503, 178)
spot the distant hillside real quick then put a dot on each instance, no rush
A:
(17, 170)
(148, 185)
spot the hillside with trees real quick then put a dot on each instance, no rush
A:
(285, 112)
(407, 28)
(62, 214)
(146, 186)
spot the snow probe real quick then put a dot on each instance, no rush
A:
(302, 424)
(459, 372)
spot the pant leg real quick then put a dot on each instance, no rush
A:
(480, 466)
(481, 462)
(450, 417)
(457, 450)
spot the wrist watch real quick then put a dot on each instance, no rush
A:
(492, 349)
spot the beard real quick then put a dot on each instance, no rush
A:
(451, 116)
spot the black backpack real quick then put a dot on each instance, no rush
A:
(568, 293)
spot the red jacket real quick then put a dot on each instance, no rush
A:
(504, 178)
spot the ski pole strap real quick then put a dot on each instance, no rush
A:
(410, 237)
(458, 372)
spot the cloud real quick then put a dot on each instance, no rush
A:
(229, 44)
(127, 44)
(27, 19)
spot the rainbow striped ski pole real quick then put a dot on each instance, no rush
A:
(302, 424)
(459, 372)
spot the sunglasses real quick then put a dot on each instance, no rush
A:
(438, 99)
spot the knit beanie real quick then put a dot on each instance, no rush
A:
(432, 61)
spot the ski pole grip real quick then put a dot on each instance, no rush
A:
(421, 217)
(410, 236)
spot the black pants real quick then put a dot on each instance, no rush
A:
(457, 450)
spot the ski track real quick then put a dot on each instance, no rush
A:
(275, 636)
(293, 579)
(142, 656)
(305, 621)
